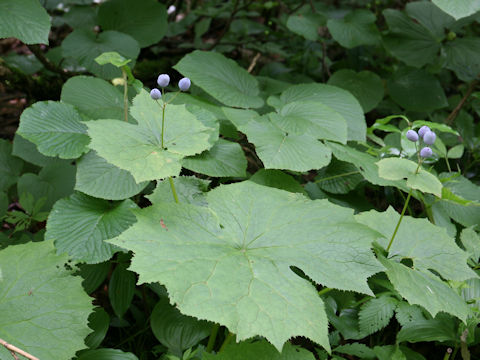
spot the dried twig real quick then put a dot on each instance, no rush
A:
(14, 350)
(459, 106)
(35, 49)
(254, 62)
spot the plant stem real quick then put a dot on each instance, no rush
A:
(125, 94)
(324, 291)
(212, 338)
(15, 350)
(226, 341)
(174, 192)
(163, 123)
(400, 220)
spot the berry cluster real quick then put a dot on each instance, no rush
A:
(163, 81)
(428, 137)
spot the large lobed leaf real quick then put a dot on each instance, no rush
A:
(137, 148)
(44, 309)
(231, 262)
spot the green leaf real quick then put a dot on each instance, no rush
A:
(260, 350)
(406, 313)
(96, 98)
(112, 57)
(399, 169)
(121, 289)
(376, 313)
(356, 349)
(431, 17)
(26, 20)
(99, 321)
(27, 151)
(145, 21)
(254, 234)
(3, 204)
(441, 328)
(189, 190)
(225, 158)
(176, 331)
(44, 309)
(427, 245)
(366, 86)
(138, 148)
(389, 352)
(96, 177)
(337, 99)
(456, 152)
(106, 354)
(55, 181)
(85, 46)
(408, 40)
(471, 242)
(462, 56)
(221, 78)
(425, 289)
(458, 8)
(93, 275)
(417, 90)
(365, 163)
(55, 128)
(279, 149)
(305, 25)
(10, 166)
(338, 177)
(277, 179)
(355, 29)
(80, 224)
(471, 293)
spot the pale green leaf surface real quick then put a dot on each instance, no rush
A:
(400, 169)
(375, 314)
(425, 289)
(190, 190)
(458, 8)
(277, 179)
(441, 328)
(225, 158)
(10, 166)
(471, 242)
(356, 349)
(85, 46)
(406, 313)
(55, 128)
(366, 86)
(112, 57)
(96, 177)
(260, 350)
(472, 292)
(26, 20)
(79, 225)
(334, 97)
(145, 21)
(27, 151)
(279, 149)
(106, 354)
(427, 245)
(221, 78)
(137, 148)
(355, 29)
(254, 234)
(44, 309)
(96, 98)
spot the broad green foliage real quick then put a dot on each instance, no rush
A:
(27, 151)
(10, 166)
(398, 169)
(84, 46)
(96, 177)
(238, 234)
(260, 350)
(190, 190)
(26, 20)
(56, 128)
(44, 308)
(145, 21)
(138, 148)
(121, 289)
(222, 78)
(305, 25)
(277, 179)
(106, 354)
(355, 29)
(80, 224)
(99, 321)
(376, 314)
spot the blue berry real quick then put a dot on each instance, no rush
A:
(163, 80)
(412, 135)
(423, 130)
(155, 94)
(184, 84)
(426, 152)
(429, 137)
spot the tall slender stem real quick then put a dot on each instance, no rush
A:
(400, 220)
(163, 123)
(174, 192)
(226, 341)
(125, 94)
(212, 338)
